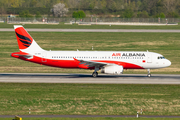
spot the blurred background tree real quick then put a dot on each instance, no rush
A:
(59, 10)
(25, 14)
(38, 15)
(78, 15)
(123, 8)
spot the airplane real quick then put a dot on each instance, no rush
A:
(109, 62)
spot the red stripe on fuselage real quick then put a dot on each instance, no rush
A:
(74, 63)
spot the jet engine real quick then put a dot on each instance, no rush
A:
(112, 69)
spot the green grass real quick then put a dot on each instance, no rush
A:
(75, 26)
(88, 99)
(166, 44)
(93, 118)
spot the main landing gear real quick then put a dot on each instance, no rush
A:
(95, 73)
(148, 75)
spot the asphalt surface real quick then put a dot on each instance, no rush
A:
(95, 30)
(87, 78)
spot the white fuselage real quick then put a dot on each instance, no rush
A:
(145, 60)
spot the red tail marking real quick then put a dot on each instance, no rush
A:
(23, 38)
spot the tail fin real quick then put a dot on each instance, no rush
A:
(25, 41)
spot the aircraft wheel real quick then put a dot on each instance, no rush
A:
(94, 74)
(149, 75)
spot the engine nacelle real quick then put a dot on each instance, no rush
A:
(112, 69)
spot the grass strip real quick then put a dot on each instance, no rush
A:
(88, 99)
(94, 118)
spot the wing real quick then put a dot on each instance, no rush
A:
(91, 63)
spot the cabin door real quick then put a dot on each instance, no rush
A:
(149, 58)
(44, 55)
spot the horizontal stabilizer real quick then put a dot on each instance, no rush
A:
(22, 54)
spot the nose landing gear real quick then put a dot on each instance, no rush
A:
(148, 75)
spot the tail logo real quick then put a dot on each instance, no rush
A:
(26, 42)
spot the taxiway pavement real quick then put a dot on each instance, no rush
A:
(87, 78)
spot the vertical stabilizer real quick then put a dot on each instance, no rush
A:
(25, 42)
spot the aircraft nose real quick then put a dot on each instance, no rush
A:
(168, 63)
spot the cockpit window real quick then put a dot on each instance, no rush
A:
(161, 57)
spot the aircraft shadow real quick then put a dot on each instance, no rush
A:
(140, 76)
